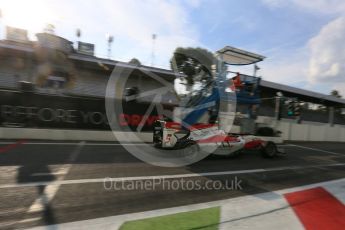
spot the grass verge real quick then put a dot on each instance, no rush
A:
(204, 219)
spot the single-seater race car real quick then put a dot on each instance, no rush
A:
(216, 97)
(171, 135)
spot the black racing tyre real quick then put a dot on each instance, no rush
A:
(269, 150)
(235, 154)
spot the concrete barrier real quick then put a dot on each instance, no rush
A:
(69, 135)
(290, 131)
(316, 133)
(309, 131)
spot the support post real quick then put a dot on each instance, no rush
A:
(331, 115)
(277, 108)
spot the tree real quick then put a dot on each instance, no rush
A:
(134, 61)
(335, 93)
(192, 61)
(49, 28)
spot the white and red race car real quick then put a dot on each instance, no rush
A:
(170, 135)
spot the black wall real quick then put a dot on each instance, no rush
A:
(66, 112)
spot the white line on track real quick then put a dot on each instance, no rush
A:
(49, 174)
(51, 189)
(174, 176)
(87, 143)
(30, 219)
(315, 149)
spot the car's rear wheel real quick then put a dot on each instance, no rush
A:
(269, 150)
(235, 153)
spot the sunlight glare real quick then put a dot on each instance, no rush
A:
(30, 15)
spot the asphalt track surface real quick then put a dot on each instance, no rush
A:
(44, 183)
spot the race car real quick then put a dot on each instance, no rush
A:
(171, 135)
(207, 110)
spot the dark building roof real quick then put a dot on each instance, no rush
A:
(303, 94)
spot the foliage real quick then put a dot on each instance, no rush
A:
(335, 93)
(191, 62)
(134, 61)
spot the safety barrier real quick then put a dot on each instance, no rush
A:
(309, 131)
(290, 131)
(69, 135)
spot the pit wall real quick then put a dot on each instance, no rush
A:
(307, 131)
(69, 135)
(290, 131)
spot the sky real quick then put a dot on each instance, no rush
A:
(303, 40)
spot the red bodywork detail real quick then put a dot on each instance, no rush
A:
(219, 138)
(176, 125)
(172, 125)
(254, 144)
(317, 209)
(202, 126)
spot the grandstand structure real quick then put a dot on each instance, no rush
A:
(51, 65)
